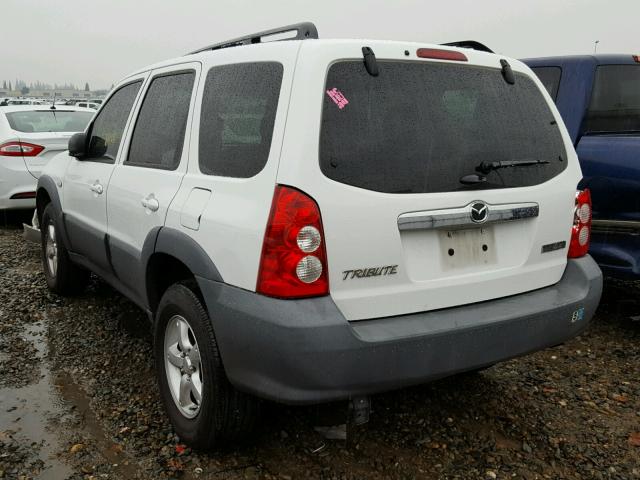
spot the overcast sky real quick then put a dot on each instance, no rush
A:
(100, 41)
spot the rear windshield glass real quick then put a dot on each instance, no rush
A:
(550, 78)
(420, 127)
(615, 102)
(49, 121)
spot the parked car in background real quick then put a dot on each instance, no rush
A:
(322, 220)
(23, 101)
(93, 106)
(29, 137)
(598, 97)
(97, 101)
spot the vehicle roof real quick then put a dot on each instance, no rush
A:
(207, 54)
(40, 108)
(598, 59)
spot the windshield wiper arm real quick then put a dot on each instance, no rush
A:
(487, 167)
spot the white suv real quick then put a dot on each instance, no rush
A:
(312, 220)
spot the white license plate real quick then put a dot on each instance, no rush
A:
(467, 248)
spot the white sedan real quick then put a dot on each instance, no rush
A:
(30, 135)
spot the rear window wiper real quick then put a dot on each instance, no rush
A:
(487, 167)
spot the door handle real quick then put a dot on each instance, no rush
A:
(97, 188)
(150, 202)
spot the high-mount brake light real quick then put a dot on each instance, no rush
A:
(581, 229)
(294, 258)
(439, 54)
(20, 149)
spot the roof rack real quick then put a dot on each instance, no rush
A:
(304, 31)
(472, 44)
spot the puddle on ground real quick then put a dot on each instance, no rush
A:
(35, 413)
(26, 412)
(111, 452)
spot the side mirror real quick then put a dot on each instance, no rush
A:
(78, 146)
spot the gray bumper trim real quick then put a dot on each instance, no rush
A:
(304, 351)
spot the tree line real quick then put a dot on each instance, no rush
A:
(22, 86)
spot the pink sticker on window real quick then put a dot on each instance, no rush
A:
(338, 98)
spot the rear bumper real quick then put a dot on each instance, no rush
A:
(304, 351)
(21, 204)
(16, 179)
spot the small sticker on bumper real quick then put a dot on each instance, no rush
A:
(577, 315)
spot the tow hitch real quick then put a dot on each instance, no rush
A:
(32, 232)
(359, 410)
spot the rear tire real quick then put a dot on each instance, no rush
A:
(204, 408)
(63, 276)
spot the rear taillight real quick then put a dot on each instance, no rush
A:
(23, 195)
(20, 149)
(581, 230)
(438, 54)
(294, 259)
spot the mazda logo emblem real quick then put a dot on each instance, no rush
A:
(479, 212)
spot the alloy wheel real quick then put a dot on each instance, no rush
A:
(51, 250)
(183, 366)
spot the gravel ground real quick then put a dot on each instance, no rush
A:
(78, 400)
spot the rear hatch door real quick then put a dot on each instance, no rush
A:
(404, 233)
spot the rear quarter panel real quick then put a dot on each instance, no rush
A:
(233, 221)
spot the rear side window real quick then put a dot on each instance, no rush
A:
(421, 127)
(109, 124)
(48, 121)
(238, 113)
(615, 101)
(158, 136)
(550, 78)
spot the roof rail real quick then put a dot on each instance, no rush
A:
(472, 44)
(304, 31)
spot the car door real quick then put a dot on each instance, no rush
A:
(153, 164)
(85, 182)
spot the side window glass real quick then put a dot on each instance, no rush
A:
(615, 101)
(238, 113)
(158, 136)
(550, 78)
(108, 126)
